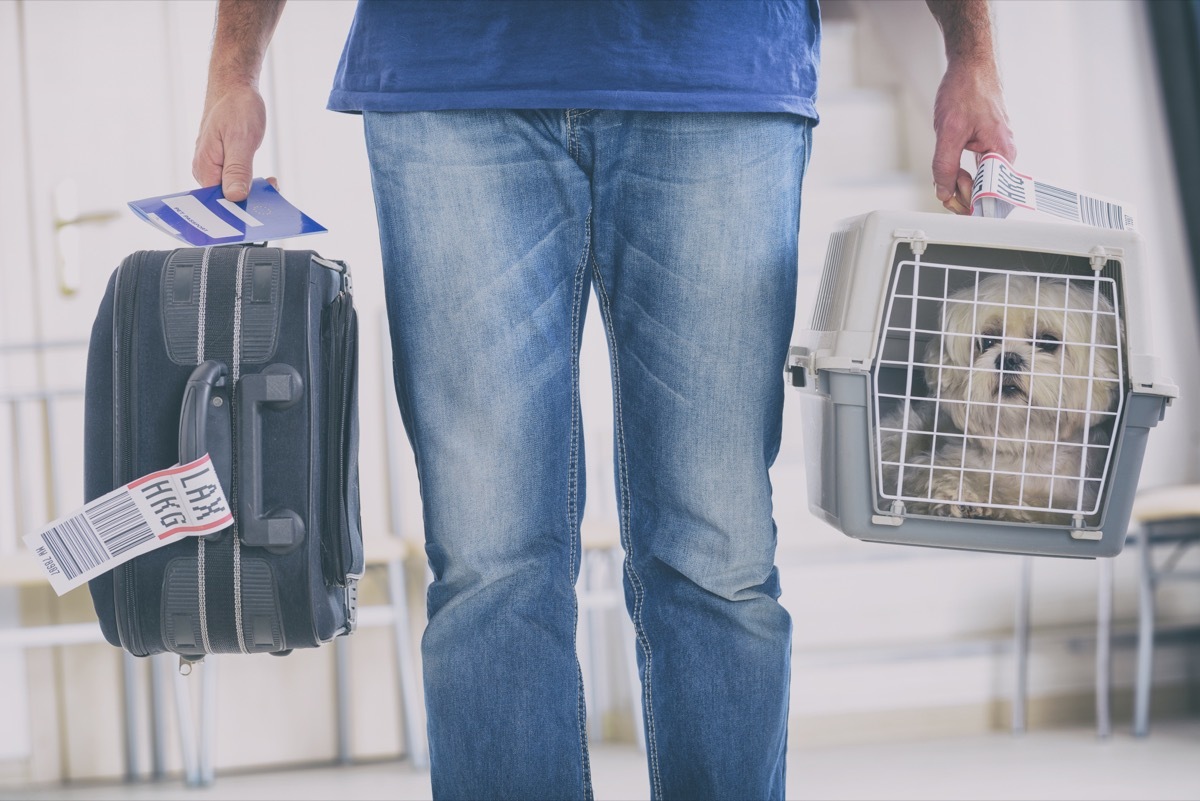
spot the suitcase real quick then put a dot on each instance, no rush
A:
(247, 353)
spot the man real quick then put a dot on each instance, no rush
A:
(522, 155)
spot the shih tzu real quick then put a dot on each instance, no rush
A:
(1023, 377)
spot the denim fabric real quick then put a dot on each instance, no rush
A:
(495, 226)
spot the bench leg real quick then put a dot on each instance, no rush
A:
(1020, 699)
(160, 680)
(1145, 651)
(414, 733)
(129, 675)
(187, 731)
(341, 677)
(1104, 611)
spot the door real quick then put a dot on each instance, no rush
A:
(99, 104)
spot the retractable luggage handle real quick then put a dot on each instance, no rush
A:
(280, 386)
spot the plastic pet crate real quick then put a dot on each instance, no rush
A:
(978, 383)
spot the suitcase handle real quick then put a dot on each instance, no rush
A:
(204, 420)
(279, 385)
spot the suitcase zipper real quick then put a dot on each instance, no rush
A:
(336, 516)
(347, 372)
(124, 583)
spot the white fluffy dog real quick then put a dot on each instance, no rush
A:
(1025, 374)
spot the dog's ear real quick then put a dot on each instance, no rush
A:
(957, 344)
(1106, 394)
(932, 359)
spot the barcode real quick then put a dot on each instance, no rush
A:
(1059, 202)
(1102, 214)
(75, 546)
(119, 523)
(97, 535)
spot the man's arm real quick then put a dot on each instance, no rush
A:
(968, 113)
(235, 117)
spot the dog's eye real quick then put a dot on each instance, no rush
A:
(1048, 342)
(987, 343)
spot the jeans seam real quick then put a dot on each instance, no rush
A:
(573, 496)
(635, 581)
(573, 148)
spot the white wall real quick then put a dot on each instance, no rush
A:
(1081, 87)
(1082, 90)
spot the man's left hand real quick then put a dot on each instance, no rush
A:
(968, 114)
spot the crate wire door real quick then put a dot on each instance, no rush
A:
(999, 346)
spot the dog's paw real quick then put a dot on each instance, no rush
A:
(975, 512)
(963, 512)
(958, 501)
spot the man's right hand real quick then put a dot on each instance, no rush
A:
(234, 123)
(235, 117)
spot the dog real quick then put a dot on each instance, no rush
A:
(1025, 373)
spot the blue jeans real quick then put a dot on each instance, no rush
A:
(495, 226)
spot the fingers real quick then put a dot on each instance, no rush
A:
(206, 163)
(237, 171)
(947, 156)
(207, 172)
(952, 183)
(223, 162)
(1002, 143)
(230, 134)
(959, 201)
(968, 115)
(235, 185)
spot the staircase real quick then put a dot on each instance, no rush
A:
(861, 158)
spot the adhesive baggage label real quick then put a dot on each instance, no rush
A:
(999, 189)
(145, 514)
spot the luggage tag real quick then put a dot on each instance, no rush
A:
(999, 190)
(203, 217)
(145, 514)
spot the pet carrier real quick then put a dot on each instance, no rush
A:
(978, 383)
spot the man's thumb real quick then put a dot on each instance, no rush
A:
(235, 181)
(945, 176)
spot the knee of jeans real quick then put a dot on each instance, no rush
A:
(498, 565)
(494, 511)
(731, 559)
(710, 521)
(481, 531)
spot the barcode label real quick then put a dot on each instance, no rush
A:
(1059, 202)
(119, 524)
(74, 546)
(999, 188)
(1102, 213)
(145, 514)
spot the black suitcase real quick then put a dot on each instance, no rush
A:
(247, 353)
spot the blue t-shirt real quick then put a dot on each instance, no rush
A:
(635, 55)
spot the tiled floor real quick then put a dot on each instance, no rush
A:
(1040, 765)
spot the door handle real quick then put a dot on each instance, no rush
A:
(67, 219)
(85, 219)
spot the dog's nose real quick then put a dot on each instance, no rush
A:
(1010, 362)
